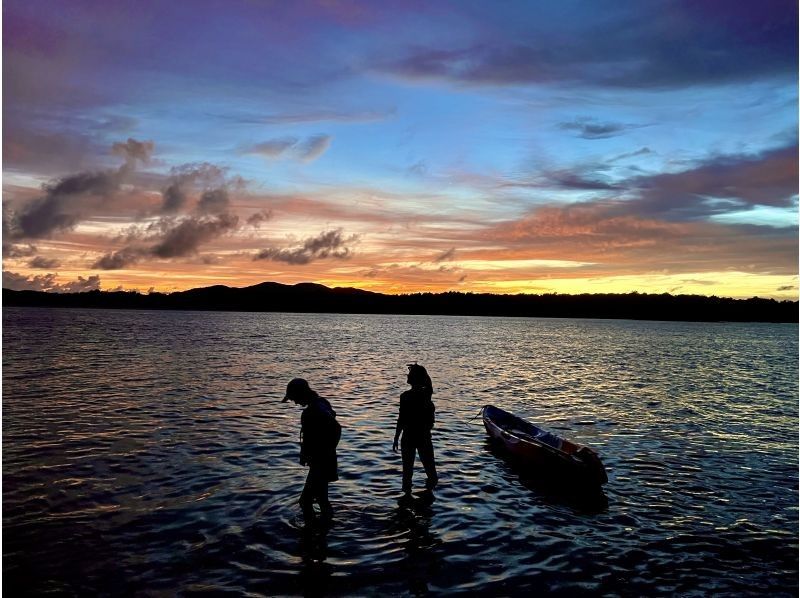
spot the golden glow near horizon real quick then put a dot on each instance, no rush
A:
(480, 270)
(721, 284)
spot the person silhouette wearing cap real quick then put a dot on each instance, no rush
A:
(414, 423)
(319, 435)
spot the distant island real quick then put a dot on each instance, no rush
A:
(317, 298)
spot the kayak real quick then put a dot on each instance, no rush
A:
(542, 452)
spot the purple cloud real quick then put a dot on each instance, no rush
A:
(313, 147)
(672, 44)
(272, 148)
(306, 150)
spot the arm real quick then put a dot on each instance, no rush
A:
(303, 440)
(397, 431)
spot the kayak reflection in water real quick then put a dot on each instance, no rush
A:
(414, 423)
(319, 435)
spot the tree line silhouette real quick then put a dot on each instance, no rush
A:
(316, 298)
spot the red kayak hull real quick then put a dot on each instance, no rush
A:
(542, 452)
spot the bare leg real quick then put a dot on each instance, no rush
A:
(428, 461)
(321, 494)
(408, 449)
(307, 497)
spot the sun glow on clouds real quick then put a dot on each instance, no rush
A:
(434, 154)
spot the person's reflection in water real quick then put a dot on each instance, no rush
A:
(414, 423)
(423, 560)
(319, 435)
(315, 574)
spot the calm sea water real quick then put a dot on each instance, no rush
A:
(148, 453)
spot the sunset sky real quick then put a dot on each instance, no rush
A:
(554, 146)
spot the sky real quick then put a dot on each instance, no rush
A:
(480, 146)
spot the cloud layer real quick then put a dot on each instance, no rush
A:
(476, 145)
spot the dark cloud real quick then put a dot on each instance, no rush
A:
(717, 185)
(591, 129)
(174, 198)
(328, 244)
(644, 151)
(255, 220)
(447, 256)
(670, 44)
(66, 200)
(85, 183)
(190, 233)
(134, 151)
(117, 260)
(588, 178)
(48, 283)
(43, 263)
(578, 181)
(46, 216)
(721, 184)
(18, 251)
(786, 288)
(214, 201)
(169, 238)
(212, 179)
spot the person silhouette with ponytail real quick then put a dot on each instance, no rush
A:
(414, 424)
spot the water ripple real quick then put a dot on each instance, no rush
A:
(151, 449)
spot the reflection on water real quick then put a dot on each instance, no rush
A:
(582, 498)
(149, 453)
